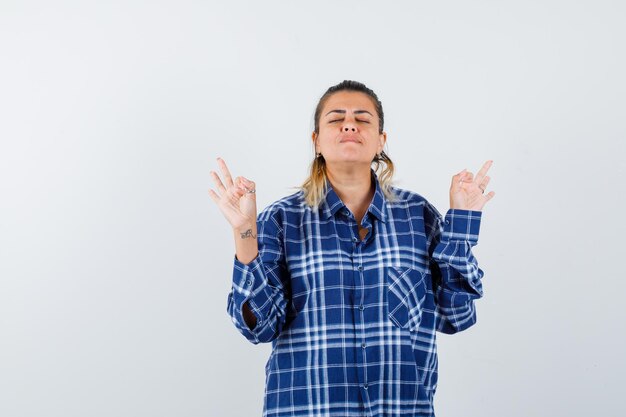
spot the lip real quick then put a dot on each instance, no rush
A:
(355, 140)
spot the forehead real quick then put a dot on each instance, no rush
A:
(349, 100)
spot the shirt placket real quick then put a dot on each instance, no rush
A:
(357, 248)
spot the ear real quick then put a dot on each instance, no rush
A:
(382, 140)
(314, 138)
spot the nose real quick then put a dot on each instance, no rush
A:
(349, 126)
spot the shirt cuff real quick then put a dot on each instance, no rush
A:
(247, 278)
(461, 224)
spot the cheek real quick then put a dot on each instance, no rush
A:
(326, 135)
(329, 128)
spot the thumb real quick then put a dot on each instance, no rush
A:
(250, 186)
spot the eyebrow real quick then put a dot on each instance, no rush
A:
(343, 112)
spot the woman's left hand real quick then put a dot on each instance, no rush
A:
(467, 193)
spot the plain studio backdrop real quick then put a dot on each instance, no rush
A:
(115, 264)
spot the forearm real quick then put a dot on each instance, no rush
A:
(246, 249)
(246, 244)
(459, 267)
(258, 302)
(454, 265)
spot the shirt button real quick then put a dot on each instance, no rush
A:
(354, 239)
(249, 282)
(360, 268)
(361, 307)
(365, 386)
(447, 221)
(363, 345)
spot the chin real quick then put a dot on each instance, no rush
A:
(348, 160)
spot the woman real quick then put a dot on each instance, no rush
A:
(351, 277)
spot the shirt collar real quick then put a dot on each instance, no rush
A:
(332, 203)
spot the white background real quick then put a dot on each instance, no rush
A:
(115, 264)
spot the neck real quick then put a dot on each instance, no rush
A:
(353, 185)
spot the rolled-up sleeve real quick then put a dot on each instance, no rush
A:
(263, 284)
(450, 240)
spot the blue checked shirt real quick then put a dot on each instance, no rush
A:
(353, 322)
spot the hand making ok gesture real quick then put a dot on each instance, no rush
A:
(467, 193)
(237, 199)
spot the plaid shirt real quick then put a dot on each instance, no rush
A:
(353, 322)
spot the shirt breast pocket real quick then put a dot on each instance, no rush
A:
(406, 294)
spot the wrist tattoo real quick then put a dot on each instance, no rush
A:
(247, 234)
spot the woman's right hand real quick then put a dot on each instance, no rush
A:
(236, 203)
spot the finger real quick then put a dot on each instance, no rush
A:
(227, 177)
(458, 178)
(239, 187)
(239, 190)
(466, 178)
(218, 182)
(484, 183)
(247, 181)
(481, 174)
(250, 185)
(214, 196)
(490, 195)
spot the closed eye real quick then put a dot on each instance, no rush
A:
(338, 120)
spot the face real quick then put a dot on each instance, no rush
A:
(348, 129)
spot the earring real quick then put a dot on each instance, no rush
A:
(318, 154)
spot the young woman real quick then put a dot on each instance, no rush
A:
(350, 278)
